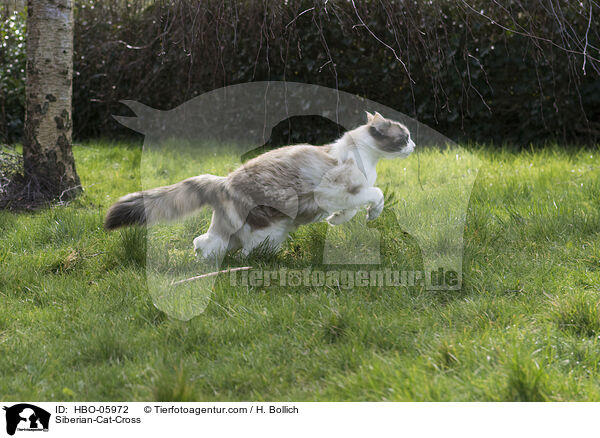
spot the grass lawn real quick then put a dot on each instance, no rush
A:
(77, 319)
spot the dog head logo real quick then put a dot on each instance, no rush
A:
(26, 417)
(432, 210)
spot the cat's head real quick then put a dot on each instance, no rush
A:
(389, 137)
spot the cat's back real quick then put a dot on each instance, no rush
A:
(288, 166)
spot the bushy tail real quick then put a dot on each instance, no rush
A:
(166, 203)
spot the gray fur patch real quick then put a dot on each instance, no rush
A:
(390, 136)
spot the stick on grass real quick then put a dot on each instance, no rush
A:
(210, 274)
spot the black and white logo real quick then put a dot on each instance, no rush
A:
(26, 417)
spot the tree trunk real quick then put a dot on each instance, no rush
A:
(47, 155)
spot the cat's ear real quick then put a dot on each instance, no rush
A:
(378, 117)
(378, 125)
(374, 118)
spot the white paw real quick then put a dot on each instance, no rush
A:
(199, 243)
(374, 210)
(206, 246)
(337, 218)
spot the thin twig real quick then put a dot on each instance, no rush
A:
(210, 274)
(79, 186)
(526, 34)
(586, 41)
(299, 15)
(381, 42)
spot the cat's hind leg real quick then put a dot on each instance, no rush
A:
(218, 239)
(209, 246)
(272, 236)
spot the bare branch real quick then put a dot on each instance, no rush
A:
(299, 15)
(586, 40)
(526, 34)
(381, 42)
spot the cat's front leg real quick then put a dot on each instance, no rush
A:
(374, 209)
(342, 216)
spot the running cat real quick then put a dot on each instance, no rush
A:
(271, 195)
